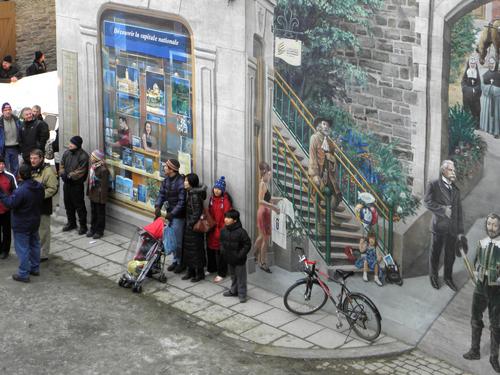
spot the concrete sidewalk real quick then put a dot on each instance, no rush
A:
(262, 325)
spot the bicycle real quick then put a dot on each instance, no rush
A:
(310, 294)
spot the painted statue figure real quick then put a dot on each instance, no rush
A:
(490, 100)
(490, 35)
(471, 89)
(487, 292)
(322, 163)
(442, 198)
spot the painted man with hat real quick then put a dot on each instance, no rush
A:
(490, 100)
(322, 163)
(172, 196)
(73, 171)
(8, 71)
(471, 89)
(97, 190)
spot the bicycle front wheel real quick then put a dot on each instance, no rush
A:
(305, 297)
(362, 316)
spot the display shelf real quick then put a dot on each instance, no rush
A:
(119, 164)
(153, 154)
(140, 205)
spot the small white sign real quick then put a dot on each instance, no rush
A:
(289, 50)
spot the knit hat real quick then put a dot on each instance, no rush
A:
(8, 59)
(38, 55)
(220, 184)
(5, 105)
(77, 141)
(98, 154)
(173, 164)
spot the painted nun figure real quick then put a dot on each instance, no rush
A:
(490, 100)
(471, 89)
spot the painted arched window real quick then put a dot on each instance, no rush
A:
(146, 66)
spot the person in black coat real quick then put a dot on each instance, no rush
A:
(34, 135)
(471, 89)
(193, 254)
(38, 66)
(234, 246)
(8, 71)
(442, 198)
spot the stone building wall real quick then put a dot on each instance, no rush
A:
(384, 105)
(35, 30)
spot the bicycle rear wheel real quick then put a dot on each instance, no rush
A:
(362, 316)
(305, 297)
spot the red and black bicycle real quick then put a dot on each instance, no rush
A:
(310, 294)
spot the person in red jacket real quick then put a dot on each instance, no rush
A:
(7, 185)
(219, 204)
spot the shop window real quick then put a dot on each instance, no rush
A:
(146, 66)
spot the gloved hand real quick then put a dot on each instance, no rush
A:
(157, 212)
(169, 216)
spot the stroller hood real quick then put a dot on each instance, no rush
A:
(155, 229)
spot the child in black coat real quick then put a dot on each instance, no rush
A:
(234, 246)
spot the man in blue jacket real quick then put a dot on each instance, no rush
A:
(25, 203)
(173, 195)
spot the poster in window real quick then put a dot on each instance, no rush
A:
(128, 104)
(183, 125)
(155, 93)
(127, 80)
(180, 96)
(173, 140)
(185, 163)
(154, 118)
(187, 145)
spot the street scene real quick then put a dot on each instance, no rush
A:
(250, 186)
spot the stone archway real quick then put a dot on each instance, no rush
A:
(442, 15)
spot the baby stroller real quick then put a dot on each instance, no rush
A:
(145, 257)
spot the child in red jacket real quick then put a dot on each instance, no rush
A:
(219, 204)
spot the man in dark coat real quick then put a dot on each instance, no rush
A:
(8, 71)
(25, 203)
(10, 135)
(442, 198)
(234, 246)
(471, 89)
(73, 171)
(38, 66)
(34, 135)
(173, 195)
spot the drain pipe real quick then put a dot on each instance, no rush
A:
(427, 90)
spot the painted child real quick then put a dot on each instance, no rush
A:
(219, 204)
(369, 259)
(97, 190)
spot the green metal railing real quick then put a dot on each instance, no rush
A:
(299, 121)
(294, 183)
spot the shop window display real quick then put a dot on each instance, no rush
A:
(146, 102)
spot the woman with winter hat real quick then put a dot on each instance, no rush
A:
(97, 190)
(219, 204)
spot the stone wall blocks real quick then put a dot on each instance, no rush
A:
(380, 56)
(391, 118)
(385, 83)
(365, 53)
(405, 85)
(370, 64)
(389, 70)
(377, 32)
(380, 20)
(371, 113)
(384, 46)
(400, 60)
(392, 34)
(404, 24)
(394, 94)
(410, 98)
(365, 100)
(385, 105)
(391, 22)
(367, 42)
(374, 90)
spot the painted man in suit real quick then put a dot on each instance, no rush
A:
(442, 198)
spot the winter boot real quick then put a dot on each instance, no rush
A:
(377, 280)
(189, 274)
(474, 352)
(199, 275)
(494, 336)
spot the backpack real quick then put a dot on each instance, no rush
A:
(392, 275)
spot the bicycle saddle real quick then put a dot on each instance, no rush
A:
(344, 274)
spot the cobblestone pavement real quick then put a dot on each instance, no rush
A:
(261, 326)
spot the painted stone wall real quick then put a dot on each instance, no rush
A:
(36, 30)
(384, 104)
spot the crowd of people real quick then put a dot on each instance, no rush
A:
(10, 72)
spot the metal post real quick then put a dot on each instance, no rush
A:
(328, 245)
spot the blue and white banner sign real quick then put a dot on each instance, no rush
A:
(145, 41)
